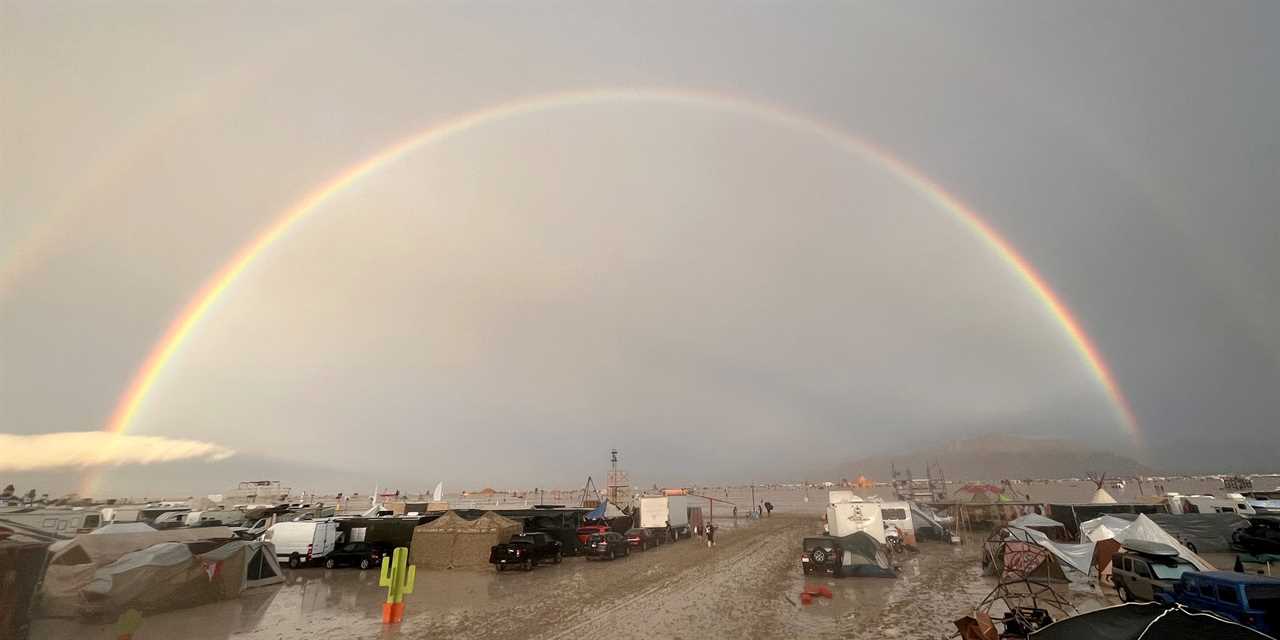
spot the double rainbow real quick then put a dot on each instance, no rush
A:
(185, 323)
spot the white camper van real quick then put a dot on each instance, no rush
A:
(301, 543)
(848, 514)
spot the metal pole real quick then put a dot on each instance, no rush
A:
(753, 496)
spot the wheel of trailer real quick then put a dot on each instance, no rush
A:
(559, 558)
(295, 561)
(528, 564)
(329, 563)
(819, 555)
(364, 564)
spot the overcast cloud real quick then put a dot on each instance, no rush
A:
(720, 298)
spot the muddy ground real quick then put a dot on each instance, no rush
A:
(747, 587)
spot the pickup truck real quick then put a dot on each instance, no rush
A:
(525, 550)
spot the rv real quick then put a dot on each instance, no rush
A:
(1233, 503)
(848, 514)
(63, 523)
(898, 514)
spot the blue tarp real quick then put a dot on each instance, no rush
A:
(598, 512)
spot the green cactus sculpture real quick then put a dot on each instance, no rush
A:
(397, 577)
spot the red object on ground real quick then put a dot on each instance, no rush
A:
(806, 597)
(824, 591)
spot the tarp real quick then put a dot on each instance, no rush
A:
(1075, 556)
(925, 519)
(1143, 528)
(1036, 520)
(605, 511)
(1207, 532)
(1146, 621)
(103, 549)
(143, 578)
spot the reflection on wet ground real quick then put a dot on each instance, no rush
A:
(747, 587)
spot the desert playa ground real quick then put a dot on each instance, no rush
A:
(746, 587)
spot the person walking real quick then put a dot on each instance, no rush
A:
(768, 507)
(711, 535)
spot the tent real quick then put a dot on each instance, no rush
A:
(173, 575)
(240, 565)
(1048, 526)
(1062, 561)
(1142, 528)
(1101, 497)
(863, 556)
(1146, 621)
(452, 542)
(74, 562)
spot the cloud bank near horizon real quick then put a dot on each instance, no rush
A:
(71, 449)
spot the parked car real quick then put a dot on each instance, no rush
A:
(525, 550)
(586, 530)
(1249, 599)
(354, 554)
(301, 543)
(641, 539)
(1261, 536)
(1145, 569)
(819, 555)
(607, 545)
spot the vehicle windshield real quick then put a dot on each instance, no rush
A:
(1170, 572)
(526, 319)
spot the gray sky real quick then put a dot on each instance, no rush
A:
(721, 298)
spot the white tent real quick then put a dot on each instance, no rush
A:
(1140, 529)
(1102, 528)
(1102, 497)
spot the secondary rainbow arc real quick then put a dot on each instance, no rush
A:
(182, 326)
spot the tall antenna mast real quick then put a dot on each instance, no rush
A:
(617, 477)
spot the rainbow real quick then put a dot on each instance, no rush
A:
(185, 323)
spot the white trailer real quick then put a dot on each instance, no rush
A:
(657, 512)
(848, 514)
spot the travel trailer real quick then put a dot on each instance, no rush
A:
(62, 523)
(848, 514)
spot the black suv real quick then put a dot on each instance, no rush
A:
(821, 555)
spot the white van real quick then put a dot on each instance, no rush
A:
(300, 543)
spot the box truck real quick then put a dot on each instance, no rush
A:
(657, 512)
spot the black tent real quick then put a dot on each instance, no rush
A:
(1147, 621)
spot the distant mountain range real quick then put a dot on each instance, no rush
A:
(997, 457)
